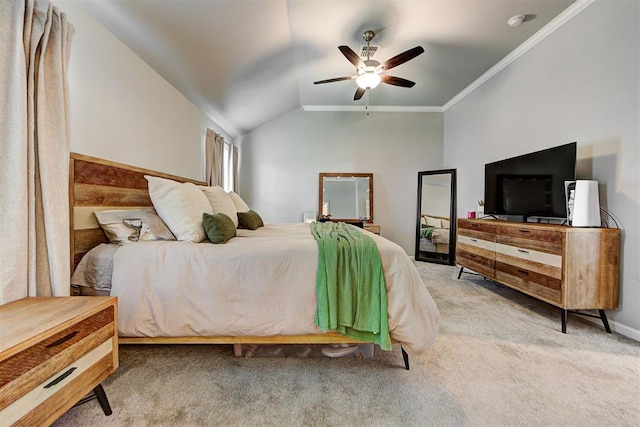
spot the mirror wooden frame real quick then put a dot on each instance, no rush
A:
(452, 218)
(349, 175)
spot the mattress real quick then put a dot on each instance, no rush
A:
(260, 283)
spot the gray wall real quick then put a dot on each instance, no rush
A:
(281, 160)
(579, 84)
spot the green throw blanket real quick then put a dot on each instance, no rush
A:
(350, 288)
(426, 232)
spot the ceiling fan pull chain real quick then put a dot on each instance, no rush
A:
(366, 104)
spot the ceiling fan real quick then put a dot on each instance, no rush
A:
(369, 73)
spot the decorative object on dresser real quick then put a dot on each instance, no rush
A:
(53, 351)
(571, 268)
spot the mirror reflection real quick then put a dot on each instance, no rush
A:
(436, 221)
(346, 196)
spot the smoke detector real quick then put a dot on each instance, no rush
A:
(515, 21)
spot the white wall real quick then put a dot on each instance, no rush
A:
(122, 110)
(281, 160)
(579, 84)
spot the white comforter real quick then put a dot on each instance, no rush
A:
(260, 283)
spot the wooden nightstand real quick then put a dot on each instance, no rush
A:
(53, 351)
(374, 228)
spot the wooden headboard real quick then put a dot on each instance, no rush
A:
(97, 184)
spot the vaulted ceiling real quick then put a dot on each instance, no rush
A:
(246, 62)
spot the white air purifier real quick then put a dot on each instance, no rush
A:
(583, 203)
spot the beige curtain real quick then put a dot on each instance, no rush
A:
(214, 150)
(35, 41)
(234, 163)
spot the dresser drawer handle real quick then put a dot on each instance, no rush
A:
(60, 378)
(524, 231)
(63, 339)
(525, 272)
(474, 240)
(523, 251)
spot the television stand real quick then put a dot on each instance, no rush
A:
(569, 267)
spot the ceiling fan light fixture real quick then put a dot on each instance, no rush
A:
(369, 77)
(368, 80)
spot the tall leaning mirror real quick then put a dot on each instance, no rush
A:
(436, 219)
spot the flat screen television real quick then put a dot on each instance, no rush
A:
(531, 185)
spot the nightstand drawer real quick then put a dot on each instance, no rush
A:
(61, 382)
(53, 351)
(25, 370)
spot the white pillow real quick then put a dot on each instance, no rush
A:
(241, 206)
(221, 202)
(433, 222)
(180, 205)
(133, 225)
(445, 223)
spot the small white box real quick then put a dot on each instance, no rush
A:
(583, 203)
(309, 216)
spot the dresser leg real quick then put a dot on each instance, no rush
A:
(565, 315)
(605, 322)
(102, 399)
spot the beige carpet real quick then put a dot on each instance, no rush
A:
(500, 359)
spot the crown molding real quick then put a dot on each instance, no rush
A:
(545, 31)
(375, 108)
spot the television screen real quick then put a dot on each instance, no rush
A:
(531, 184)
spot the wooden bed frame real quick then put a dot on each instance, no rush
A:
(97, 184)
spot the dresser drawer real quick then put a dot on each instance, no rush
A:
(530, 282)
(470, 227)
(475, 262)
(476, 243)
(543, 240)
(529, 258)
(35, 406)
(28, 368)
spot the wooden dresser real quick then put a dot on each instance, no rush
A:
(53, 351)
(572, 268)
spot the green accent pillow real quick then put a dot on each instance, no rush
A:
(249, 220)
(218, 227)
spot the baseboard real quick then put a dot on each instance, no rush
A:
(619, 328)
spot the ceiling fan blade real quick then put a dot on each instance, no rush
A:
(337, 79)
(351, 56)
(397, 81)
(359, 93)
(402, 58)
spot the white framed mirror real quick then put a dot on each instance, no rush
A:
(436, 218)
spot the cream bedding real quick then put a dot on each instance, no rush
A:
(440, 235)
(260, 283)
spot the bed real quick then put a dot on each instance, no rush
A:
(434, 234)
(166, 297)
